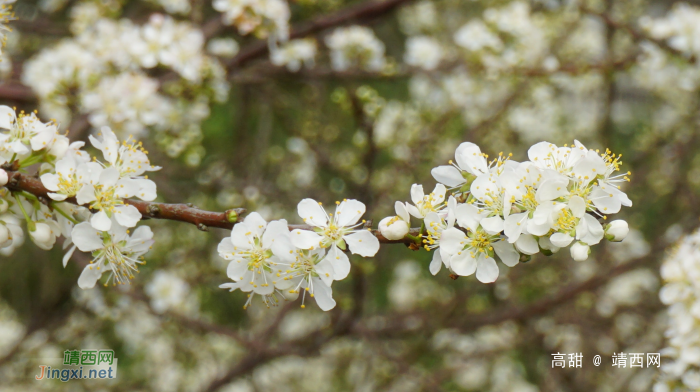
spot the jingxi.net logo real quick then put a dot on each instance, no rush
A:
(80, 364)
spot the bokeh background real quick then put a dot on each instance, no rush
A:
(361, 114)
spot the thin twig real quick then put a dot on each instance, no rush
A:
(176, 212)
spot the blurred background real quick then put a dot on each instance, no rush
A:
(260, 103)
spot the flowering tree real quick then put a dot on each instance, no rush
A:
(256, 119)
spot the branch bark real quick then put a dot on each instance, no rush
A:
(370, 9)
(176, 212)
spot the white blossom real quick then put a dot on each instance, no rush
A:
(335, 232)
(256, 248)
(355, 46)
(167, 291)
(256, 15)
(113, 250)
(423, 52)
(295, 53)
(223, 47)
(396, 227)
(312, 272)
(424, 204)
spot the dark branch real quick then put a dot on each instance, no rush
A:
(177, 212)
(367, 10)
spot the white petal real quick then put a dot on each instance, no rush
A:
(325, 271)
(282, 247)
(68, 255)
(241, 236)
(469, 158)
(7, 117)
(363, 243)
(483, 186)
(255, 223)
(101, 221)
(417, 193)
(552, 189)
(486, 269)
(349, 212)
(527, 244)
(304, 239)
(514, 225)
(323, 295)
(438, 195)
(127, 215)
(589, 167)
(275, 230)
(86, 238)
(226, 249)
(86, 194)
(260, 287)
(539, 153)
(147, 189)
(560, 240)
(89, 276)
(492, 225)
(50, 181)
(237, 269)
(505, 251)
(312, 213)
(229, 286)
(452, 241)
(543, 214)
(413, 210)
(605, 202)
(469, 216)
(594, 230)
(577, 206)
(448, 175)
(463, 264)
(436, 263)
(109, 176)
(340, 263)
(401, 211)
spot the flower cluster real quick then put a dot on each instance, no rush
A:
(356, 46)
(102, 187)
(423, 52)
(262, 17)
(67, 172)
(507, 37)
(269, 260)
(512, 210)
(111, 60)
(681, 293)
(294, 53)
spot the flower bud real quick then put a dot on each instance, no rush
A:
(42, 236)
(4, 205)
(232, 216)
(3, 177)
(393, 228)
(580, 251)
(616, 230)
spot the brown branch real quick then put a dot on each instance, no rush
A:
(176, 212)
(370, 9)
(17, 92)
(638, 35)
